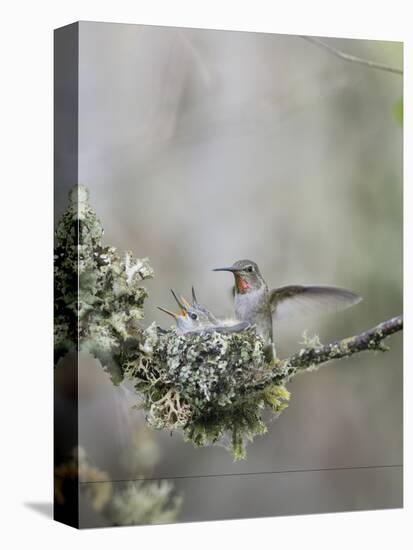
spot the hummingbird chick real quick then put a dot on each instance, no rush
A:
(190, 319)
(256, 304)
(197, 318)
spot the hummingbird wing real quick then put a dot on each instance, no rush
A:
(230, 328)
(292, 301)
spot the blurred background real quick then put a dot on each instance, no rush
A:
(203, 147)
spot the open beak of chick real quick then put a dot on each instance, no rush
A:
(183, 306)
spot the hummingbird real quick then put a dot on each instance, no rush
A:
(197, 318)
(191, 318)
(256, 304)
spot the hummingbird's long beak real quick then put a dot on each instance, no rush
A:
(232, 269)
(180, 304)
(174, 315)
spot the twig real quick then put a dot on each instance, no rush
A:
(352, 58)
(310, 357)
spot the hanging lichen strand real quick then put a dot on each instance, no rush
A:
(214, 387)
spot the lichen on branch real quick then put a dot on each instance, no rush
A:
(98, 293)
(313, 356)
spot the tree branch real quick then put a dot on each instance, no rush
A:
(352, 58)
(310, 357)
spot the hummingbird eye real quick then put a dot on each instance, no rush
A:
(249, 268)
(193, 316)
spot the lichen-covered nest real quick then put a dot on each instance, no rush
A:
(203, 384)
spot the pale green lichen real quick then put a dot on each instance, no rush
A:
(312, 342)
(132, 503)
(98, 294)
(142, 502)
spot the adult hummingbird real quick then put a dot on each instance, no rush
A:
(256, 304)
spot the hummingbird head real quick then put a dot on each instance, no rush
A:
(247, 276)
(191, 317)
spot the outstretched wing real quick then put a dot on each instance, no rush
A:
(301, 301)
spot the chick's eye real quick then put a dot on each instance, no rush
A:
(194, 316)
(249, 268)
